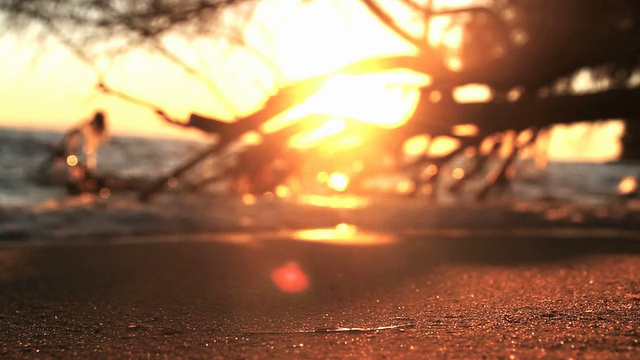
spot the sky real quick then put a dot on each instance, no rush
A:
(44, 86)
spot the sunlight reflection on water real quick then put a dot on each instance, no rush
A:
(344, 234)
(335, 202)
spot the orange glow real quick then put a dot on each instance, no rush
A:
(347, 142)
(251, 138)
(282, 191)
(472, 93)
(416, 145)
(249, 199)
(324, 35)
(405, 187)
(435, 96)
(457, 173)
(72, 160)
(386, 99)
(322, 177)
(343, 234)
(293, 41)
(597, 142)
(313, 137)
(487, 145)
(628, 185)
(465, 130)
(429, 172)
(443, 145)
(338, 182)
(290, 278)
(105, 193)
(524, 137)
(335, 201)
(443, 33)
(454, 64)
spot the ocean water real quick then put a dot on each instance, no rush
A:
(33, 210)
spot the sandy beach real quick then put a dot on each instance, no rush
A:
(512, 296)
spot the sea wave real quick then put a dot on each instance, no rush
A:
(564, 194)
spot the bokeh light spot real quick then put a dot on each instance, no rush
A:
(290, 278)
(628, 185)
(416, 145)
(338, 181)
(249, 199)
(282, 191)
(322, 177)
(457, 173)
(105, 193)
(405, 187)
(72, 160)
(465, 130)
(172, 182)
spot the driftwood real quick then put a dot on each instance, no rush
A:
(438, 118)
(272, 146)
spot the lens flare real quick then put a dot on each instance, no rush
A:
(290, 278)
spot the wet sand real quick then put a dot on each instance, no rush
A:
(497, 294)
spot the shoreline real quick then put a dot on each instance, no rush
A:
(124, 219)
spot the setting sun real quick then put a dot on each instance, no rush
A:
(338, 181)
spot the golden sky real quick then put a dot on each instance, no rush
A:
(44, 86)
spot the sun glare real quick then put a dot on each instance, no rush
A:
(385, 99)
(312, 138)
(338, 181)
(343, 234)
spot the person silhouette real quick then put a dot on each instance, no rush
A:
(93, 134)
(74, 159)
